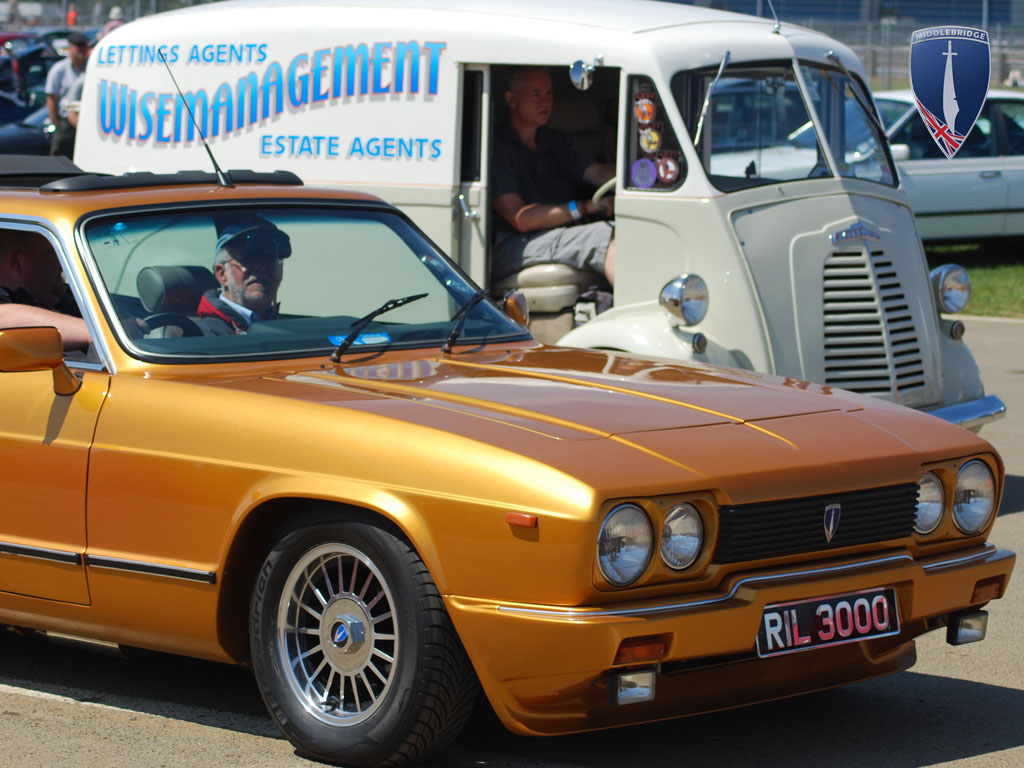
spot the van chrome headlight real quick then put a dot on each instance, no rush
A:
(686, 297)
(931, 500)
(681, 536)
(975, 499)
(952, 287)
(624, 544)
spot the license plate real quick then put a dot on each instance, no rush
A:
(824, 621)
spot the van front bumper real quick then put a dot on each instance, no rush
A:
(974, 414)
(546, 669)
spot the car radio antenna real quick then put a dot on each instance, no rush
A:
(222, 178)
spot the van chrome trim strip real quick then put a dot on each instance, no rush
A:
(40, 553)
(151, 569)
(571, 614)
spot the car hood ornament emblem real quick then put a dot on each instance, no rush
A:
(832, 512)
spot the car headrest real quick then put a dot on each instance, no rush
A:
(173, 289)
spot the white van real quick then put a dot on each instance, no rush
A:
(759, 223)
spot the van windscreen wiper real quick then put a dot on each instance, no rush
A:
(707, 97)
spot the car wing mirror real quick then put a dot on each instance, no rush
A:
(37, 349)
(516, 308)
(900, 151)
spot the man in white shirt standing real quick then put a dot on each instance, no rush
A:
(59, 83)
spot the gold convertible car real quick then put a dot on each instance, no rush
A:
(302, 439)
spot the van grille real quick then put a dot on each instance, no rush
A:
(793, 526)
(871, 342)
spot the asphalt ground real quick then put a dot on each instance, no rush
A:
(960, 706)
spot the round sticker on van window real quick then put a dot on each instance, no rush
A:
(644, 110)
(650, 141)
(668, 169)
(643, 174)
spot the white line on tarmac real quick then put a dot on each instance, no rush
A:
(10, 689)
(986, 318)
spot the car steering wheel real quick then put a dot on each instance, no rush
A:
(603, 190)
(188, 326)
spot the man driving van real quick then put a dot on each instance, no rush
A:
(248, 265)
(535, 172)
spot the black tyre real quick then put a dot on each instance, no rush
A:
(353, 651)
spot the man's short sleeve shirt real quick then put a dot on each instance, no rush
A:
(59, 80)
(550, 174)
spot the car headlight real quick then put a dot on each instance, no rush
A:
(975, 499)
(624, 545)
(681, 536)
(930, 502)
(686, 297)
(952, 287)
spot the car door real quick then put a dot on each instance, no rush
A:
(953, 199)
(45, 440)
(1011, 124)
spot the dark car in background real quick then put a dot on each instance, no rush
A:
(27, 136)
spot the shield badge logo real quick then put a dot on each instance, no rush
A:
(949, 74)
(831, 520)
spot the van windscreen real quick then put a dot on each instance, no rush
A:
(758, 128)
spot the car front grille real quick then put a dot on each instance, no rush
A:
(793, 526)
(871, 342)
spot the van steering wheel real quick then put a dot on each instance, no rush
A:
(603, 190)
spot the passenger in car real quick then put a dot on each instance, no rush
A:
(248, 264)
(33, 291)
(536, 173)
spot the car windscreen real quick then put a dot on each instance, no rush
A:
(280, 281)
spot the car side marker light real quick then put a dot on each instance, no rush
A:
(521, 519)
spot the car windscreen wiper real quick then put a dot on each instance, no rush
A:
(461, 316)
(365, 320)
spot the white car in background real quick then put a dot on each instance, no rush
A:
(980, 192)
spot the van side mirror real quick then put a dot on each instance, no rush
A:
(37, 349)
(900, 151)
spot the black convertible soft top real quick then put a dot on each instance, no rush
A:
(59, 174)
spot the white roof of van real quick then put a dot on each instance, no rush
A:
(620, 15)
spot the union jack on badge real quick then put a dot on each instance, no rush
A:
(949, 73)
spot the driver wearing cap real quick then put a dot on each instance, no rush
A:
(248, 266)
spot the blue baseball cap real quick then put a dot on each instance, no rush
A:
(260, 237)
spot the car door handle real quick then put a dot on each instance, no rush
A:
(990, 174)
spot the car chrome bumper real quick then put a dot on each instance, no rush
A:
(974, 414)
(545, 669)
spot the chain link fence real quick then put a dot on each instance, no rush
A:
(884, 48)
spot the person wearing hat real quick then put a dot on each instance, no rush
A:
(248, 264)
(59, 83)
(114, 20)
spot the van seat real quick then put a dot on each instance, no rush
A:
(548, 287)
